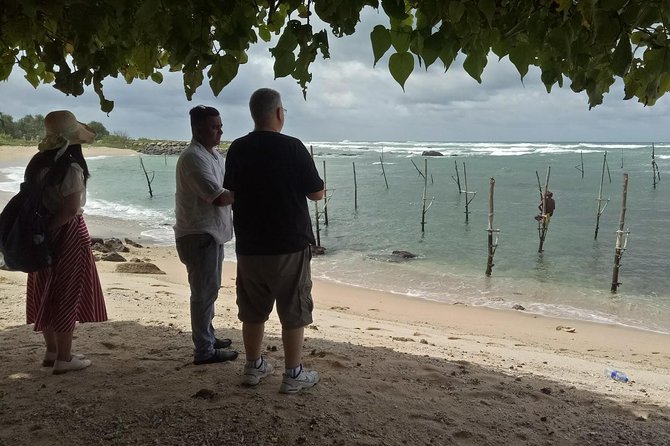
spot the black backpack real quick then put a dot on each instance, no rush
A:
(24, 242)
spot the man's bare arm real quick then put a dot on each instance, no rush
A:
(315, 196)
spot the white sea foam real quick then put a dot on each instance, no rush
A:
(111, 209)
(13, 177)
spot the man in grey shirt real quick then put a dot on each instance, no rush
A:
(204, 224)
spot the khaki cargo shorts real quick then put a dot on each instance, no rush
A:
(285, 279)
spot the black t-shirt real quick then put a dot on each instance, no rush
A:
(271, 174)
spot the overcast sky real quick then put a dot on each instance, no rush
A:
(348, 99)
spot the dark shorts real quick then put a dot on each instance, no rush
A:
(284, 279)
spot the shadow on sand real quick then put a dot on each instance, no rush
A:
(141, 390)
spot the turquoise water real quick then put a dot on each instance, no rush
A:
(571, 278)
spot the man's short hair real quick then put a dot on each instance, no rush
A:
(200, 113)
(263, 103)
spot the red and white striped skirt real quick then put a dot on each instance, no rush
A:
(69, 290)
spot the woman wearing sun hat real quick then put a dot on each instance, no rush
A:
(68, 290)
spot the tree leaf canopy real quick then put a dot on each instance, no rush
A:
(72, 44)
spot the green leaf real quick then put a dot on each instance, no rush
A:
(401, 66)
(455, 11)
(488, 8)
(157, 77)
(474, 64)
(607, 27)
(401, 38)
(106, 105)
(31, 77)
(381, 42)
(622, 57)
(287, 42)
(563, 5)
(144, 58)
(395, 8)
(264, 33)
(550, 76)
(432, 46)
(520, 56)
(192, 80)
(222, 72)
(613, 5)
(284, 65)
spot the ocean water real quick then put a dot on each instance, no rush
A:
(570, 278)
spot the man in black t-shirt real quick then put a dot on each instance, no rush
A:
(271, 175)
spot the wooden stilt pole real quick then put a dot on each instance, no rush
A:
(468, 200)
(317, 214)
(457, 179)
(543, 223)
(316, 219)
(381, 161)
(654, 166)
(492, 245)
(355, 187)
(149, 180)
(417, 168)
(325, 194)
(425, 208)
(600, 200)
(621, 238)
(581, 168)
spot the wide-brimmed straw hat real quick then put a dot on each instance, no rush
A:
(63, 129)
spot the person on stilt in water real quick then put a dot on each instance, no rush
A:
(545, 216)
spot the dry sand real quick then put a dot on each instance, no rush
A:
(395, 371)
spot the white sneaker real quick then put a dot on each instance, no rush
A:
(253, 375)
(50, 358)
(304, 380)
(73, 364)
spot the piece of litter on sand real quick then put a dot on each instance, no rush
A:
(566, 329)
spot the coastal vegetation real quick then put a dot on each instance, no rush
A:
(28, 130)
(72, 44)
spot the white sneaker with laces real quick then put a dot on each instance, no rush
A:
(73, 364)
(304, 380)
(253, 375)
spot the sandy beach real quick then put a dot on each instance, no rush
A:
(395, 370)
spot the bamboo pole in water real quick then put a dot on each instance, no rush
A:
(417, 168)
(492, 245)
(654, 166)
(381, 161)
(425, 208)
(325, 194)
(425, 187)
(581, 168)
(621, 238)
(316, 209)
(149, 180)
(600, 200)
(467, 193)
(543, 222)
(457, 179)
(355, 187)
